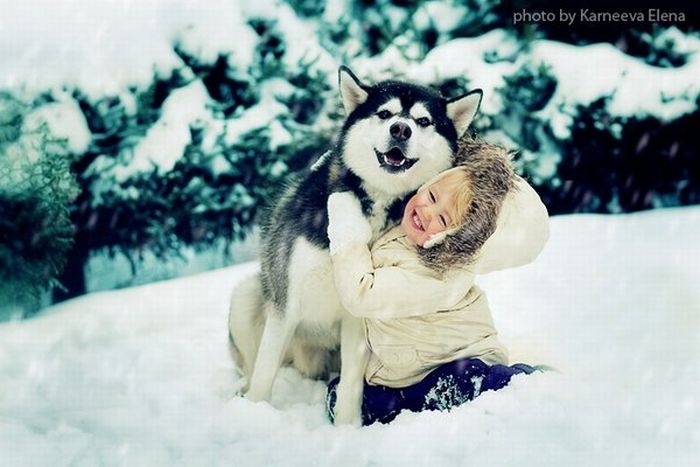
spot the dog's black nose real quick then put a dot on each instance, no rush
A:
(400, 131)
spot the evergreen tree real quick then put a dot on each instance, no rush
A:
(267, 118)
(215, 191)
(36, 188)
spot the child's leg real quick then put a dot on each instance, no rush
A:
(499, 375)
(453, 384)
(379, 403)
(448, 386)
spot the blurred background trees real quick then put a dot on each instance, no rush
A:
(190, 160)
(36, 192)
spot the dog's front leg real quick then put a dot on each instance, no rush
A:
(277, 334)
(353, 362)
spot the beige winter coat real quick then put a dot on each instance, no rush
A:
(414, 318)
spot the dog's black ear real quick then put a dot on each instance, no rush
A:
(463, 109)
(352, 91)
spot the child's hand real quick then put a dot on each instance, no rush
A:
(347, 225)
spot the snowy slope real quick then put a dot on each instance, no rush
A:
(142, 376)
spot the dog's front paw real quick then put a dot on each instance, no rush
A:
(257, 396)
(348, 411)
(350, 416)
(347, 224)
(240, 387)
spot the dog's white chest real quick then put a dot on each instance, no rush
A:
(312, 293)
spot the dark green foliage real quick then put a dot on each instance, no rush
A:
(526, 91)
(380, 22)
(454, 87)
(232, 90)
(656, 47)
(614, 164)
(35, 236)
(334, 35)
(429, 37)
(198, 202)
(609, 164)
(305, 150)
(36, 188)
(310, 94)
(216, 190)
(115, 129)
(269, 51)
(213, 192)
(483, 16)
(529, 89)
(11, 117)
(308, 8)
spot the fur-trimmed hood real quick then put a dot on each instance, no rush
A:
(505, 211)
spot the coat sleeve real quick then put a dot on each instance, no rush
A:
(394, 292)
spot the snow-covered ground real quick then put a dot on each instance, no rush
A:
(143, 376)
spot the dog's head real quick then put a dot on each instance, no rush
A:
(399, 135)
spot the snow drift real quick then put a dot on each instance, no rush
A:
(142, 376)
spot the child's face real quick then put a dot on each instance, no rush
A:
(430, 210)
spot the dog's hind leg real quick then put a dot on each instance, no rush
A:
(311, 361)
(246, 322)
(353, 362)
(276, 336)
(307, 359)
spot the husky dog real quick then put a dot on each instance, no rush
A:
(396, 137)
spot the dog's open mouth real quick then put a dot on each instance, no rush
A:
(394, 160)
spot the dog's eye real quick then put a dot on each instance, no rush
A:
(423, 121)
(384, 114)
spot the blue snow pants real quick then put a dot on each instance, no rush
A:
(446, 387)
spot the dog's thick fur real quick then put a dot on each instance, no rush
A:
(396, 137)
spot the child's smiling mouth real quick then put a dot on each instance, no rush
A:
(417, 224)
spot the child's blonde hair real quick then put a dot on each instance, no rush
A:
(462, 195)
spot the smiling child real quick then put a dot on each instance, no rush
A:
(431, 339)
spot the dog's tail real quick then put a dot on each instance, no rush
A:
(245, 322)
